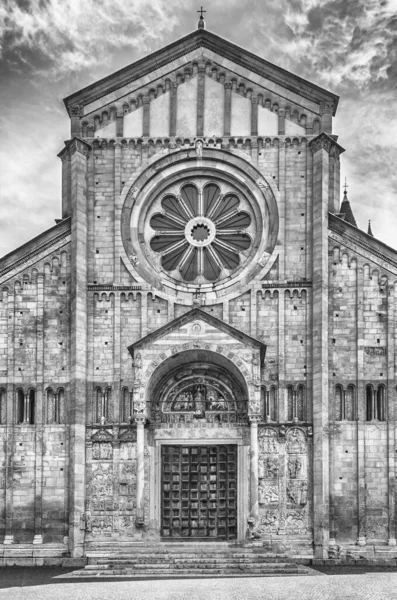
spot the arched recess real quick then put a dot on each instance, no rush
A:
(197, 385)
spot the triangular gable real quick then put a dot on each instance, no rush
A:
(192, 315)
(170, 57)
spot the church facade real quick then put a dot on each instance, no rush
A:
(203, 346)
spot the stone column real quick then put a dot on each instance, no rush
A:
(173, 108)
(120, 123)
(281, 121)
(254, 478)
(320, 147)
(140, 467)
(254, 115)
(228, 109)
(79, 152)
(146, 116)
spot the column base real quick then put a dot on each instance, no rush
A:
(392, 542)
(332, 541)
(361, 541)
(8, 539)
(38, 539)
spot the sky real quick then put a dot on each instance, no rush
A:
(52, 48)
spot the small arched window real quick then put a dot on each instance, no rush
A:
(380, 403)
(290, 403)
(98, 404)
(300, 403)
(107, 403)
(3, 402)
(339, 403)
(127, 405)
(20, 408)
(31, 408)
(60, 406)
(273, 403)
(369, 396)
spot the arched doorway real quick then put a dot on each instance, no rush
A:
(199, 416)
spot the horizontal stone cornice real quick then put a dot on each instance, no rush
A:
(35, 249)
(362, 243)
(326, 142)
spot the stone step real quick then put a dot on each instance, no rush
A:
(195, 559)
(186, 572)
(180, 574)
(190, 565)
(185, 557)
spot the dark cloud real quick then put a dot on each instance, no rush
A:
(51, 48)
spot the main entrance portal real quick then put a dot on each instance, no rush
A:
(199, 492)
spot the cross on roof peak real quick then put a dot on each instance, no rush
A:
(201, 23)
(345, 186)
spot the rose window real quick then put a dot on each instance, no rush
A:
(201, 232)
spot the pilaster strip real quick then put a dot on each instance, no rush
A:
(10, 422)
(228, 109)
(320, 348)
(361, 491)
(146, 116)
(173, 108)
(391, 414)
(40, 412)
(200, 100)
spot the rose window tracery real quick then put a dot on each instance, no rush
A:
(202, 231)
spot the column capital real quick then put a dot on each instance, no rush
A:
(254, 419)
(73, 146)
(140, 420)
(76, 110)
(255, 100)
(326, 142)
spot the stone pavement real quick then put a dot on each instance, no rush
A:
(43, 584)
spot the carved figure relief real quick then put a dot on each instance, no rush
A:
(297, 492)
(268, 441)
(102, 451)
(101, 526)
(296, 443)
(268, 467)
(101, 488)
(268, 493)
(199, 396)
(295, 521)
(269, 523)
(295, 465)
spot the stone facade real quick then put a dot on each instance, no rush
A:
(281, 343)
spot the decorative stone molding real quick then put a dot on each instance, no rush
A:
(326, 142)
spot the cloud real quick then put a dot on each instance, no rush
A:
(71, 35)
(50, 48)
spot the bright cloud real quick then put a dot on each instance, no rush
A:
(51, 48)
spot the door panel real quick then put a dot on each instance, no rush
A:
(199, 492)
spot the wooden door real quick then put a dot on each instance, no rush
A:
(199, 492)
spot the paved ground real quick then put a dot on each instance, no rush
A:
(336, 584)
